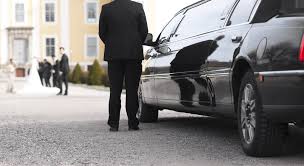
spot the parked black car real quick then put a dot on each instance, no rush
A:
(233, 58)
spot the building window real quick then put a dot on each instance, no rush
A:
(19, 9)
(91, 12)
(50, 47)
(49, 12)
(92, 46)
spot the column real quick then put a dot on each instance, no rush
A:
(65, 25)
(35, 41)
(5, 15)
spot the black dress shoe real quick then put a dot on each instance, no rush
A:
(65, 94)
(59, 94)
(134, 128)
(113, 129)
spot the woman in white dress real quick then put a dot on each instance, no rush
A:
(33, 84)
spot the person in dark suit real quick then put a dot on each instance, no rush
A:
(41, 71)
(56, 71)
(123, 29)
(64, 68)
(47, 72)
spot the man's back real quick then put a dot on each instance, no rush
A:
(123, 29)
(64, 64)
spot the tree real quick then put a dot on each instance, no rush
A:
(77, 74)
(95, 74)
(105, 79)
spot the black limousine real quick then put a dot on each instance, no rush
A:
(241, 59)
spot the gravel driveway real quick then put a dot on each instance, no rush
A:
(50, 130)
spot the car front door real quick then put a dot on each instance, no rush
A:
(181, 79)
(165, 54)
(147, 79)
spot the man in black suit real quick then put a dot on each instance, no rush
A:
(123, 28)
(64, 72)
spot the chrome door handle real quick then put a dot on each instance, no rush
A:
(236, 39)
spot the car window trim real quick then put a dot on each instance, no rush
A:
(182, 12)
(182, 15)
(254, 10)
(176, 28)
(198, 35)
(252, 13)
(228, 15)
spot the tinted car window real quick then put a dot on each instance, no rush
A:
(202, 18)
(169, 30)
(271, 8)
(242, 12)
(292, 6)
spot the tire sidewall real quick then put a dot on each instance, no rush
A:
(249, 79)
(140, 104)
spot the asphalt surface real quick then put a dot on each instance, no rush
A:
(51, 130)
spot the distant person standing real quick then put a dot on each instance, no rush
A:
(11, 74)
(41, 71)
(64, 69)
(56, 71)
(47, 72)
(123, 29)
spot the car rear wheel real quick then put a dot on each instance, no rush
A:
(260, 136)
(146, 113)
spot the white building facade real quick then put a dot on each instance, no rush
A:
(20, 30)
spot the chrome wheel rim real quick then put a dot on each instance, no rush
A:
(248, 114)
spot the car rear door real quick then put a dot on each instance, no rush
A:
(228, 42)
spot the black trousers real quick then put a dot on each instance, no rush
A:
(47, 80)
(64, 79)
(55, 80)
(118, 71)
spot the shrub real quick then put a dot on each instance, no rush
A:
(77, 74)
(104, 78)
(70, 77)
(95, 74)
(84, 78)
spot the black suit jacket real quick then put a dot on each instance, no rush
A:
(47, 68)
(123, 29)
(64, 64)
(56, 68)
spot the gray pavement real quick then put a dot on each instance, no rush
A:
(51, 130)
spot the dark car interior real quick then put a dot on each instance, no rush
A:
(270, 8)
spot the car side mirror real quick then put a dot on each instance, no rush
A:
(149, 40)
(164, 50)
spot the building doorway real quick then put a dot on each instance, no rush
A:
(20, 47)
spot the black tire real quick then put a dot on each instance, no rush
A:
(146, 113)
(260, 137)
